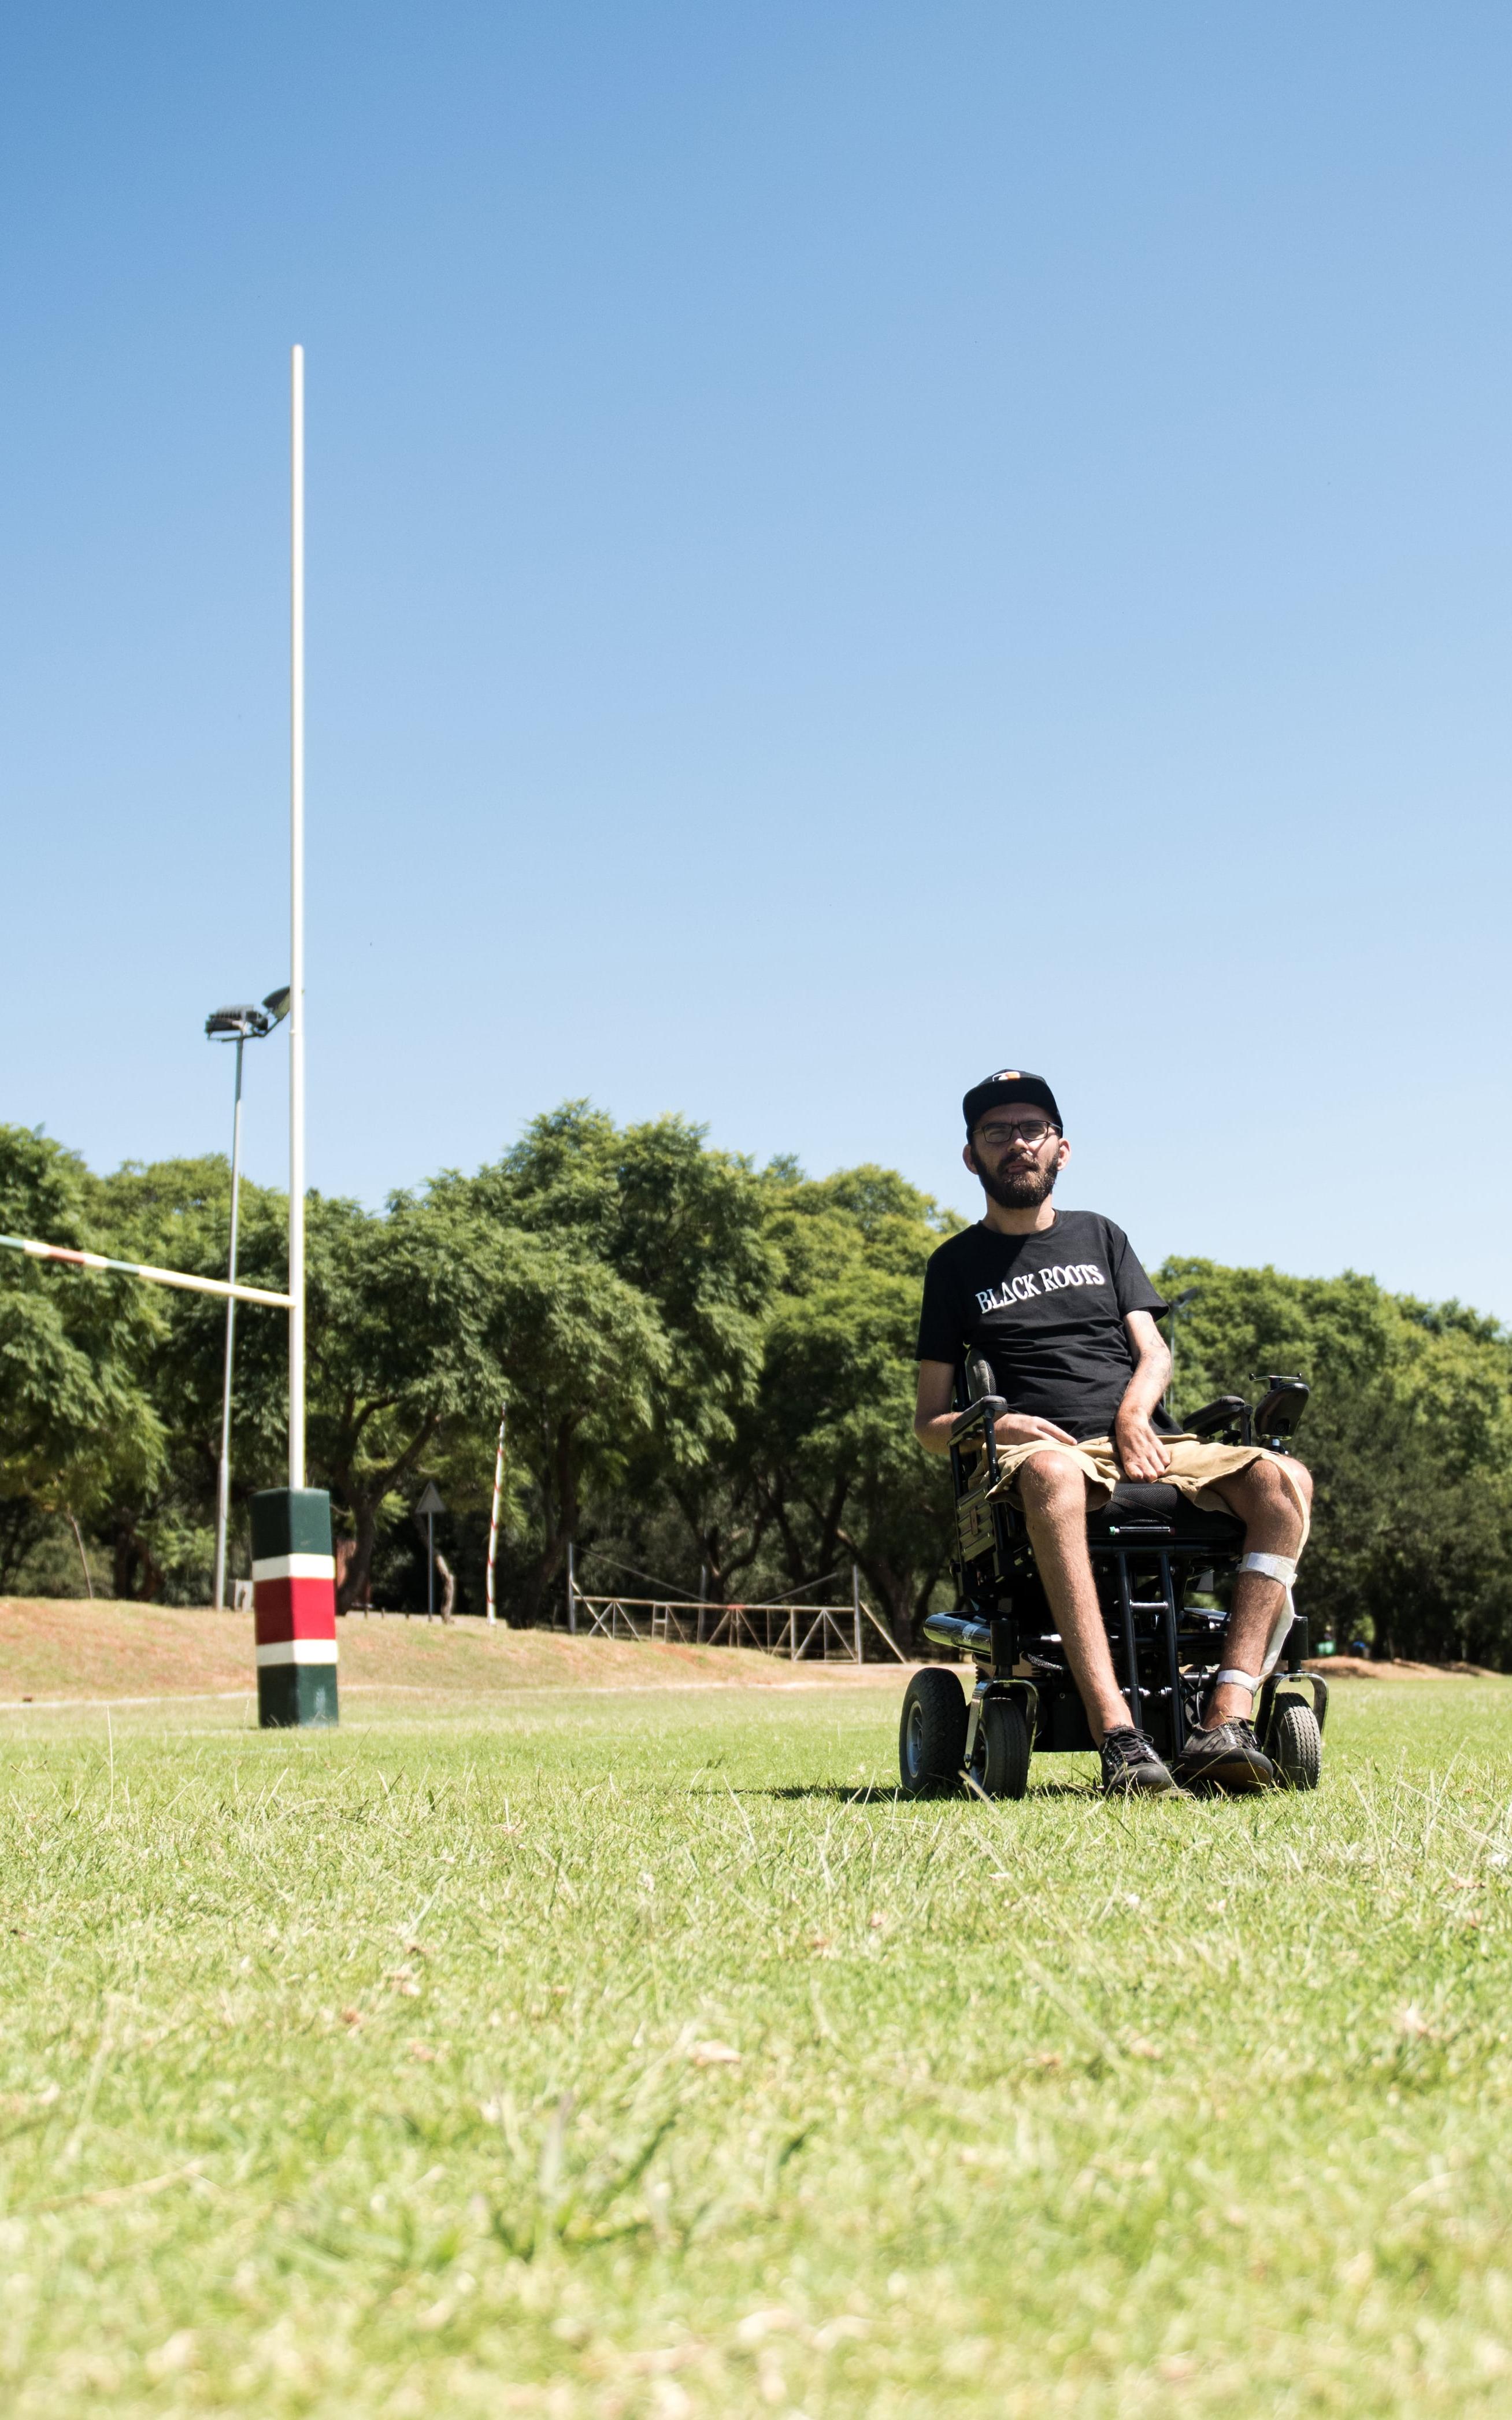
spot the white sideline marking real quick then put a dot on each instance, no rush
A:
(545, 1690)
(57, 1705)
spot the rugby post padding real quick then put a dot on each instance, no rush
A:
(294, 1607)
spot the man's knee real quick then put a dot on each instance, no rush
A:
(1266, 1487)
(1282, 1483)
(1052, 1483)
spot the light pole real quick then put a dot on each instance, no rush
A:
(1179, 1310)
(241, 1026)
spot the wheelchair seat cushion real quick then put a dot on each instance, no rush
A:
(1155, 1504)
(1155, 1499)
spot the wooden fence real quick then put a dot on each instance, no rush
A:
(802, 1633)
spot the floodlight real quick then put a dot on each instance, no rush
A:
(237, 1024)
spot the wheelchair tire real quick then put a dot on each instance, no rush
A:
(932, 1734)
(1002, 1761)
(1295, 1745)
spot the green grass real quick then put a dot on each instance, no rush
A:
(391, 2072)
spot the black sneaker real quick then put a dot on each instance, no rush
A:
(1229, 1758)
(1131, 1768)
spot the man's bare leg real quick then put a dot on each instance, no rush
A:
(1272, 1526)
(1052, 1492)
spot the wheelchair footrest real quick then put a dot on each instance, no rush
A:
(960, 1632)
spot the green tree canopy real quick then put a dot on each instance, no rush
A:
(1408, 1433)
(78, 1425)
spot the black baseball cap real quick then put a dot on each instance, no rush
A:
(1008, 1084)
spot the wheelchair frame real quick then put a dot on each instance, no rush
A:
(1151, 1551)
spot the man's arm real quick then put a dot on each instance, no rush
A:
(1141, 1450)
(933, 1419)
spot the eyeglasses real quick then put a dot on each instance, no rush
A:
(1003, 1130)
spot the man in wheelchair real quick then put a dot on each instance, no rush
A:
(1058, 1306)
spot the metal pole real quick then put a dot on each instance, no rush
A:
(223, 1493)
(855, 1607)
(296, 1011)
(78, 1540)
(572, 1592)
(431, 1567)
(703, 1592)
(493, 1516)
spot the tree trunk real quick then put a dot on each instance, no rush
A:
(448, 1588)
(355, 1582)
(135, 1575)
(902, 1595)
(364, 1502)
(548, 1566)
(723, 1561)
(551, 1562)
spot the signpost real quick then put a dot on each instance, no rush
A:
(430, 1504)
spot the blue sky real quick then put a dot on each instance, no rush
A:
(848, 545)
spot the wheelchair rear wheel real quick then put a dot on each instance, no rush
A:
(1001, 1763)
(932, 1735)
(1296, 1744)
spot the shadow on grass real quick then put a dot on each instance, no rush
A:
(879, 1794)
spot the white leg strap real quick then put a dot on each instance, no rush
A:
(1275, 1567)
(1282, 1568)
(1235, 1679)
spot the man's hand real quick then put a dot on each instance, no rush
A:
(1142, 1451)
(1022, 1428)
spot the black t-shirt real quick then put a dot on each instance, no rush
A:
(1048, 1309)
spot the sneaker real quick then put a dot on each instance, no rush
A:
(1131, 1768)
(1229, 1758)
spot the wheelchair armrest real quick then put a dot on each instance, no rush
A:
(982, 1413)
(1226, 1412)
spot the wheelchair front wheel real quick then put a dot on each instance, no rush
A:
(1001, 1763)
(1296, 1744)
(931, 1735)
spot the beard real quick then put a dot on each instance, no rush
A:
(1018, 1189)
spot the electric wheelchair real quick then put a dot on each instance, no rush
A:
(1158, 1562)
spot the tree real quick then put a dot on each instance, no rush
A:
(630, 1376)
(77, 1426)
(176, 1213)
(1408, 1434)
(402, 1350)
(835, 1473)
(584, 1355)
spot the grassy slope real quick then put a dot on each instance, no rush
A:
(60, 1648)
(387, 2072)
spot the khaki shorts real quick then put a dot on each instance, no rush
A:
(1194, 1466)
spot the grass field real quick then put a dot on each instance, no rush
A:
(635, 2052)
